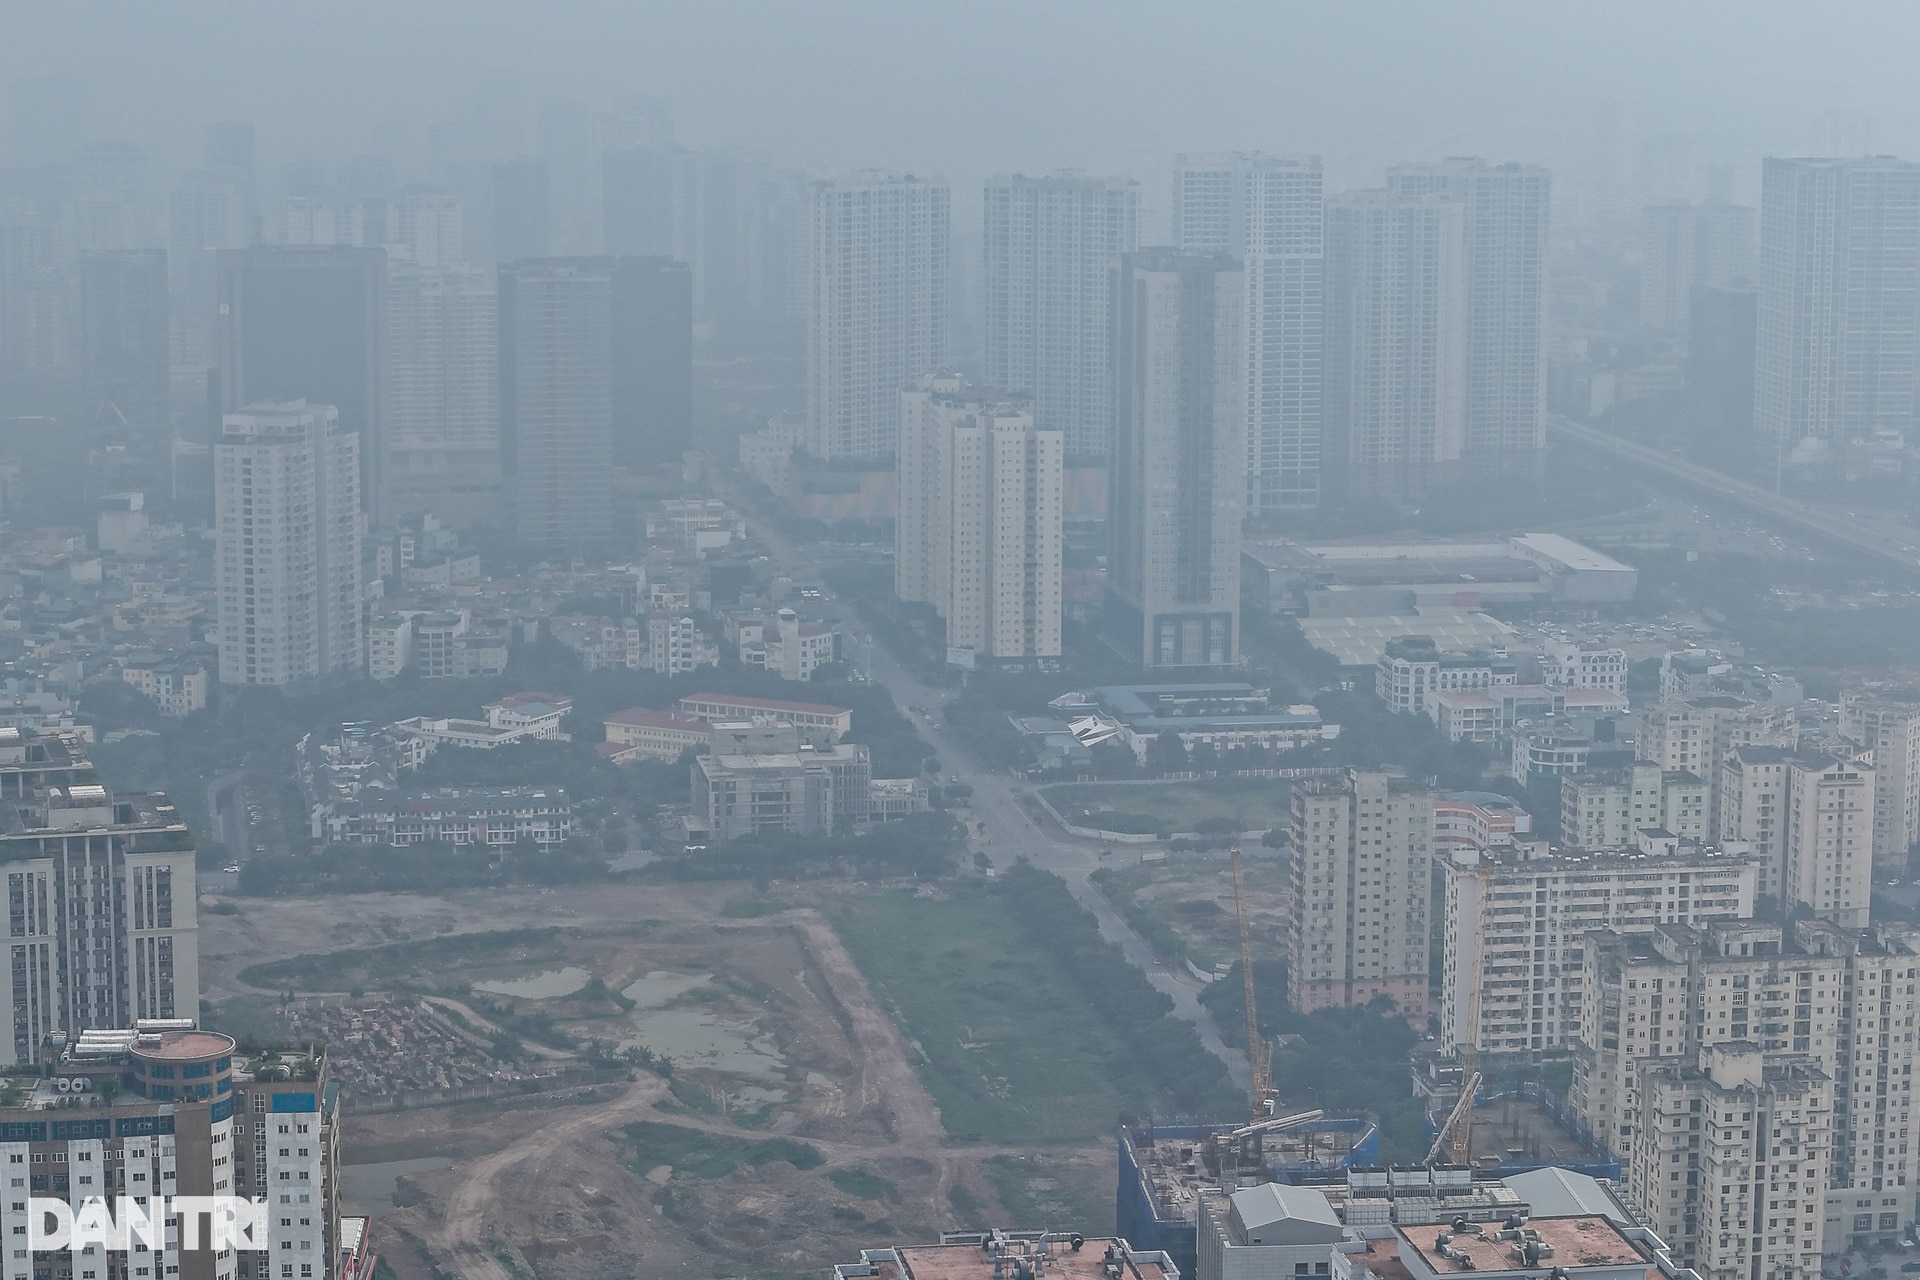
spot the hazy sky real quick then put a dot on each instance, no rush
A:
(1003, 84)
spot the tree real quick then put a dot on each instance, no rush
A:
(1167, 754)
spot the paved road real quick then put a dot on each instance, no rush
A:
(1011, 832)
(1888, 542)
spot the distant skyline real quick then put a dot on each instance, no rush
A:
(967, 91)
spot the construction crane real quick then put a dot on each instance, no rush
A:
(1454, 1141)
(1259, 1056)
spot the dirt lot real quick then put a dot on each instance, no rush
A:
(1193, 897)
(794, 1132)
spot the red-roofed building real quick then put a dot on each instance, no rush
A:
(809, 717)
(641, 733)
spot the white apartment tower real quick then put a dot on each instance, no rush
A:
(1362, 876)
(1048, 255)
(1395, 404)
(1698, 734)
(441, 393)
(1178, 468)
(978, 527)
(877, 306)
(1889, 727)
(1521, 925)
(1267, 211)
(1819, 995)
(1828, 839)
(286, 490)
(1683, 245)
(1504, 209)
(1729, 1205)
(1839, 288)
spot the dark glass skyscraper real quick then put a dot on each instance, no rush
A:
(123, 337)
(596, 371)
(305, 323)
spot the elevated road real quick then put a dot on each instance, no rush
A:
(1887, 543)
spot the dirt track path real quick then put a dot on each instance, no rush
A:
(472, 1208)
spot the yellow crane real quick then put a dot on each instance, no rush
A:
(1454, 1141)
(1259, 1056)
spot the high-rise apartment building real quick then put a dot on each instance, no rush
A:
(440, 363)
(556, 399)
(1684, 246)
(1178, 460)
(1603, 808)
(977, 534)
(1395, 404)
(877, 305)
(288, 524)
(305, 323)
(1839, 299)
(1713, 1191)
(1753, 808)
(1814, 993)
(1362, 879)
(1697, 734)
(1267, 212)
(1516, 926)
(1049, 248)
(1889, 727)
(650, 199)
(124, 354)
(522, 210)
(1504, 209)
(102, 886)
(1827, 847)
(1720, 354)
(596, 371)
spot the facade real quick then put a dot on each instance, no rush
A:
(1838, 286)
(978, 531)
(1699, 735)
(102, 886)
(168, 1110)
(1712, 1216)
(1265, 1232)
(1413, 668)
(1721, 336)
(177, 685)
(1519, 920)
(1504, 211)
(1267, 212)
(272, 300)
(124, 352)
(1469, 823)
(441, 394)
(1608, 808)
(556, 399)
(480, 817)
(797, 792)
(1687, 246)
(645, 734)
(522, 210)
(288, 524)
(1889, 727)
(1827, 847)
(666, 643)
(1816, 993)
(1047, 264)
(877, 306)
(1362, 858)
(818, 723)
(1179, 455)
(1395, 405)
(1566, 664)
(789, 647)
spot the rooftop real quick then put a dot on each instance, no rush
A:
(175, 1045)
(1000, 1255)
(647, 717)
(766, 704)
(1586, 1240)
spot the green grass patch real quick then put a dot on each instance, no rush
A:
(693, 1097)
(1182, 907)
(1011, 1051)
(863, 1183)
(711, 1155)
(1241, 804)
(1066, 1195)
(968, 1212)
(424, 965)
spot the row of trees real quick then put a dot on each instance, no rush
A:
(921, 846)
(426, 867)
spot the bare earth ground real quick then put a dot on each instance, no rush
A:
(541, 1186)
